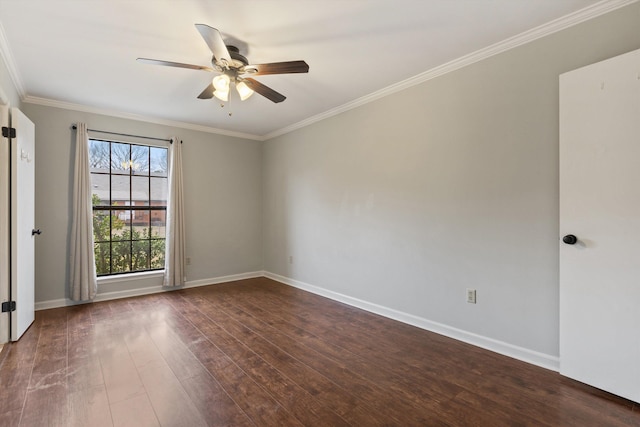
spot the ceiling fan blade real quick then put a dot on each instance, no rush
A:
(288, 67)
(263, 90)
(207, 93)
(174, 64)
(214, 40)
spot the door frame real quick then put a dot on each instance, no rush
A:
(5, 260)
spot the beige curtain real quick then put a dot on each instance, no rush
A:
(83, 281)
(174, 261)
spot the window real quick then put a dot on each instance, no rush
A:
(129, 197)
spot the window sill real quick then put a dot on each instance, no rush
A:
(130, 277)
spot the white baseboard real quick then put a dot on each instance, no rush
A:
(526, 355)
(53, 303)
(106, 296)
(223, 279)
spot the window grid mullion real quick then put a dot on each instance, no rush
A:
(110, 213)
(130, 211)
(149, 204)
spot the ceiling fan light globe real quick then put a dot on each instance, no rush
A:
(221, 82)
(222, 95)
(243, 91)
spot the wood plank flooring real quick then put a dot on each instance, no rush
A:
(259, 353)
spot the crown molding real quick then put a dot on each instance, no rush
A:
(131, 116)
(536, 33)
(7, 57)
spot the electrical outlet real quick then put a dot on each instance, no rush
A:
(290, 259)
(471, 296)
(188, 260)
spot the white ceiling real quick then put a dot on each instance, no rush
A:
(84, 52)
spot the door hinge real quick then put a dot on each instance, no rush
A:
(8, 306)
(8, 132)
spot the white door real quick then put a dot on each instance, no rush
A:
(22, 223)
(4, 224)
(600, 204)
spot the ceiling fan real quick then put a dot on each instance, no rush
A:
(234, 69)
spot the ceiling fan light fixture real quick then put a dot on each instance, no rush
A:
(243, 90)
(221, 82)
(222, 95)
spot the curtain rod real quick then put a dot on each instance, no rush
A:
(74, 127)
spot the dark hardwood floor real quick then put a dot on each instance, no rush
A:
(259, 353)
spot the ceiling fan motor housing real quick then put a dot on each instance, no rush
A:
(238, 60)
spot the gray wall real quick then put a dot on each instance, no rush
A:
(222, 198)
(452, 184)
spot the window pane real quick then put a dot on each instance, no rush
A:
(121, 224)
(100, 226)
(120, 257)
(158, 224)
(140, 225)
(159, 161)
(140, 255)
(120, 192)
(140, 190)
(140, 159)
(120, 158)
(157, 253)
(159, 191)
(103, 258)
(99, 156)
(99, 189)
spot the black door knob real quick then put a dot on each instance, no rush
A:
(570, 239)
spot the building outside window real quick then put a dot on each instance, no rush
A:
(129, 196)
